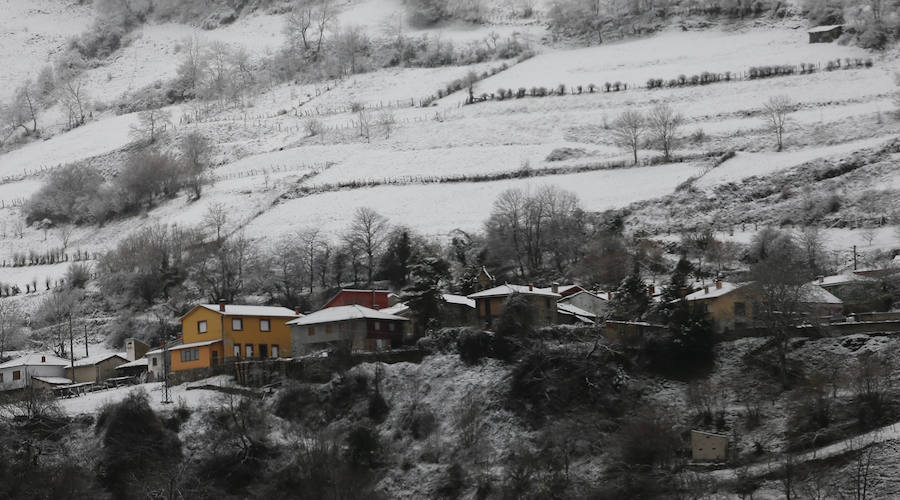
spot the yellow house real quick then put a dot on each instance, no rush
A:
(489, 303)
(214, 332)
(729, 305)
(738, 305)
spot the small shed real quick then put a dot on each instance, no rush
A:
(825, 34)
(96, 368)
(708, 447)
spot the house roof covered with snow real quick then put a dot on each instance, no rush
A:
(184, 346)
(461, 300)
(344, 313)
(35, 359)
(53, 380)
(134, 364)
(398, 308)
(245, 310)
(814, 294)
(601, 296)
(507, 290)
(713, 291)
(843, 279)
(565, 308)
(98, 358)
(826, 28)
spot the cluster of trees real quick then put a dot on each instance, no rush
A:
(53, 84)
(79, 194)
(661, 126)
(422, 13)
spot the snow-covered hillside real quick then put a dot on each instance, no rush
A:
(263, 149)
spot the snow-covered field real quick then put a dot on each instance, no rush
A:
(32, 32)
(263, 150)
(669, 55)
(194, 399)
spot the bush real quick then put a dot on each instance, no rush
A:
(473, 345)
(875, 37)
(78, 274)
(648, 440)
(135, 443)
(362, 446)
(68, 195)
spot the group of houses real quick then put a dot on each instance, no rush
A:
(377, 320)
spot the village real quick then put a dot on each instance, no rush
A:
(450, 249)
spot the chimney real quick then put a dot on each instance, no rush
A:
(221, 305)
(821, 278)
(652, 289)
(531, 287)
(297, 310)
(718, 284)
(706, 289)
(555, 287)
(683, 292)
(43, 359)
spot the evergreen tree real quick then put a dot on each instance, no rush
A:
(631, 299)
(424, 294)
(395, 264)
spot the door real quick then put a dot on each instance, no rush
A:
(215, 358)
(263, 351)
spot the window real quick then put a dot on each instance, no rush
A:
(17, 375)
(390, 327)
(190, 355)
(274, 350)
(237, 350)
(237, 324)
(377, 325)
(248, 350)
(328, 328)
(1, 378)
(155, 361)
(201, 326)
(740, 309)
(265, 325)
(312, 331)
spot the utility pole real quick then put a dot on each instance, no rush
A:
(71, 347)
(85, 341)
(165, 360)
(854, 258)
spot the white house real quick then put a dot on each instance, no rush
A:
(18, 373)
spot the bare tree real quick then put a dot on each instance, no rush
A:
(779, 276)
(195, 158)
(387, 121)
(365, 127)
(10, 324)
(627, 131)
(192, 69)
(812, 242)
(367, 234)
(776, 112)
(216, 216)
(65, 234)
(664, 124)
(314, 127)
(22, 109)
(73, 96)
(150, 125)
(310, 241)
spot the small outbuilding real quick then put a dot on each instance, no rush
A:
(96, 368)
(709, 447)
(825, 34)
(19, 373)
